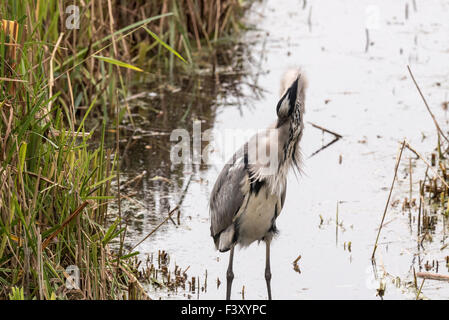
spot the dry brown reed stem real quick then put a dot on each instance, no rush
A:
(297, 259)
(427, 106)
(339, 136)
(136, 179)
(64, 224)
(398, 160)
(432, 276)
(40, 177)
(40, 266)
(195, 27)
(336, 135)
(155, 229)
(217, 20)
(12, 80)
(11, 28)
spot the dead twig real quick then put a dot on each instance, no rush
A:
(339, 136)
(136, 179)
(398, 160)
(432, 276)
(12, 80)
(295, 264)
(64, 224)
(324, 147)
(427, 106)
(155, 229)
(336, 135)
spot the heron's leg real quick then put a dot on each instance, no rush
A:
(268, 270)
(229, 275)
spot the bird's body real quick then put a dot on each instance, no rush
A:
(250, 191)
(254, 201)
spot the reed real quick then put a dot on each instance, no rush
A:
(54, 185)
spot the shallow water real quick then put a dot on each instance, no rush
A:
(367, 97)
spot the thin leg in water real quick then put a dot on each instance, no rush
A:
(229, 275)
(268, 270)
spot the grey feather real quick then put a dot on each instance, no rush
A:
(227, 197)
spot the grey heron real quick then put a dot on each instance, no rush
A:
(248, 195)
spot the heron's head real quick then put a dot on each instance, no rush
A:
(290, 108)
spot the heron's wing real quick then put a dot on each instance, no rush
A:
(227, 197)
